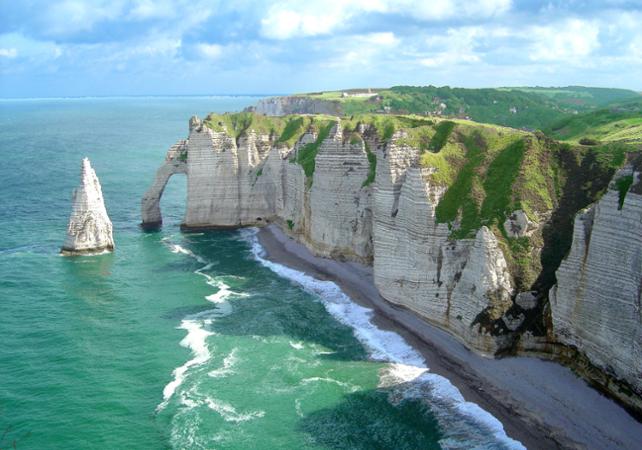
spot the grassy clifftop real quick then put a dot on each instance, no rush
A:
(488, 172)
(530, 107)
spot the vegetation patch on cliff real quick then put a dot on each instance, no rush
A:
(459, 197)
(442, 132)
(500, 176)
(307, 154)
(238, 124)
(623, 184)
(295, 126)
(372, 167)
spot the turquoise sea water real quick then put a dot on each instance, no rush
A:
(182, 340)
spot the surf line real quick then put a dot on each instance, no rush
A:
(406, 364)
(197, 325)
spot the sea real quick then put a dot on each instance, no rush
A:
(184, 341)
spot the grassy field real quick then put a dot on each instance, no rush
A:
(622, 123)
(519, 107)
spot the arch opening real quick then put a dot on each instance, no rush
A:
(150, 204)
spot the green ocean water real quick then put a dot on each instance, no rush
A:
(182, 340)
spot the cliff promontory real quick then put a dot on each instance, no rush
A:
(469, 226)
(89, 230)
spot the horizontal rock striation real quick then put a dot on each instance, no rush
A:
(596, 305)
(252, 180)
(340, 207)
(449, 283)
(320, 185)
(89, 230)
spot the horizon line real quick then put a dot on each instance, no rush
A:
(81, 97)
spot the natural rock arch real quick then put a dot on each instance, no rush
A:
(175, 162)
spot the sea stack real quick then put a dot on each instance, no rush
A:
(89, 230)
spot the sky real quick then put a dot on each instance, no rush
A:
(188, 47)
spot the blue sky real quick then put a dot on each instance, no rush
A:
(141, 47)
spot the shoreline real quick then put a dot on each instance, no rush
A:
(540, 403)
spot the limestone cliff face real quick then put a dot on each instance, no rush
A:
(318, 187)
(281, 106)
(596, 304)
(174, 163)
(449, 283)
(89, 230)
(340, 206)
(252, 180)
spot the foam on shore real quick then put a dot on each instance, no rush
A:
(461, 421)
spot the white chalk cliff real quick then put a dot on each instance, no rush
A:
(463, 286)
(390, 223)
(89, 230)
(596, 305)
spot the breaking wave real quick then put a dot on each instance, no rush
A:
(463, 423)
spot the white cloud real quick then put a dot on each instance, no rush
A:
(210, 51)
(290, 19)
(457, 46)
(152, 9)
(447, 9)
(383, 39)
(570, 40)
(16, 45)
(286, 23)
(8, 52)
(71, 16)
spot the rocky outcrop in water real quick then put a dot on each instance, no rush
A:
(89, 230)
(596, 306)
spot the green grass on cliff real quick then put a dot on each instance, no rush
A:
(307, 154)
(500, 199)
(623, 185)
(372, 167)
(442, 132)
(237, 124)
(462, 196)
(294, 128)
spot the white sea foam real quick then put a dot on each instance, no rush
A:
(229, 413)
(197, 325)
(343, 384)
(297, 407)
(228, 363)
(296, 345)
(407, 367)
(196, 342)
(175, 248)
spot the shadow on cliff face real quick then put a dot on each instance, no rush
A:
(585, 180)
(586, 177)
(368, 420)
